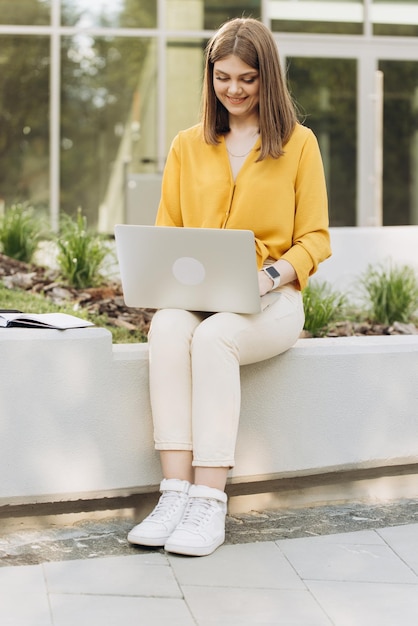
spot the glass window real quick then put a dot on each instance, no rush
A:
(183, 88)
(400, 142)
(183, 14)
(108, 117)
(28, 12)
(315, 16)
(219, 11)
(207, 14)
(24, 106)
(110, 13)
(325, 93)
(391, 17)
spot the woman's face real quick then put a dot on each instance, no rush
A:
(237, 86)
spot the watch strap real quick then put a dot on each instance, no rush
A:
(273, 274)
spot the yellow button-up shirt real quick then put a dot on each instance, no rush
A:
(283, 201)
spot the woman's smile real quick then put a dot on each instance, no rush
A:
(233, 100)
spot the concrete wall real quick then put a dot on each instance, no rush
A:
(76, 419)
(74, 415)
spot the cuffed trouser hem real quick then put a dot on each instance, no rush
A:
(174, 446)
(196, 462)
(199, 463)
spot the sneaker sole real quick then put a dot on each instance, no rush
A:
(152, 542)
(194, 550)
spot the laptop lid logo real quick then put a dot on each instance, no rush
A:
(188, 271)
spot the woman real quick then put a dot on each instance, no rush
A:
(247, 165)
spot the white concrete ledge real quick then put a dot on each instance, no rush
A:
(76, 421)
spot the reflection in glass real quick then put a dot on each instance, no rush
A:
(207, 14)
(316, 16)
(395, 18)
(183, 88)
(24, 105)
(325, 92)
(400, 142)
(110, 13)
(108, 116)
(28, 12)
(218, 11)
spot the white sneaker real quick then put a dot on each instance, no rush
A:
(202, 528)
(155, 529)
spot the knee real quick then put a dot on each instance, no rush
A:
(169, 323)
(211, 335)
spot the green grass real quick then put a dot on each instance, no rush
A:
(33, 303)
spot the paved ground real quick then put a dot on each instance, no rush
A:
(352, 565)
(40, 538)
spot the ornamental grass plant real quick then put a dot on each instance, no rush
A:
(390, 293)
(20, 232)
(81, 253)
(323, 307)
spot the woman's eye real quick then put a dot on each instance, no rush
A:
(247, 81)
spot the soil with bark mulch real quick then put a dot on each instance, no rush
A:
(108, 300)
(104, 300)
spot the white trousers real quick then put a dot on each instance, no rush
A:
(194, 370)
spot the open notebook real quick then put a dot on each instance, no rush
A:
(58, 321)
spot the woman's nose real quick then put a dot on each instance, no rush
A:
(234, 87)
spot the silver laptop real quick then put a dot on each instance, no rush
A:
(197, 269)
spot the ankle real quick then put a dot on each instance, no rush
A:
(214, 477)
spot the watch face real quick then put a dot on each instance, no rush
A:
(273, 272)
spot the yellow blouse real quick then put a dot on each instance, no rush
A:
(283, 201)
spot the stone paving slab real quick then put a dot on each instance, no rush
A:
(39, 539)
(363, 578)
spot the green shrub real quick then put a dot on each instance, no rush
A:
(81, 254)
(323, 306)
(20, 232)
(391, 293)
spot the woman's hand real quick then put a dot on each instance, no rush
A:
(287, 275)
(265, 284)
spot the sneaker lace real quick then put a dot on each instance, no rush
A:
(198, 510)
(168, 501)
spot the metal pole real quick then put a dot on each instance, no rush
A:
(161, 86)
(54, 120)
(378, 150)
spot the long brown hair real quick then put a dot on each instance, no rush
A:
(253, 43)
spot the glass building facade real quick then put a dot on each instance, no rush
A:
(92, 93)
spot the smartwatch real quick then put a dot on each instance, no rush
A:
(273, 274)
